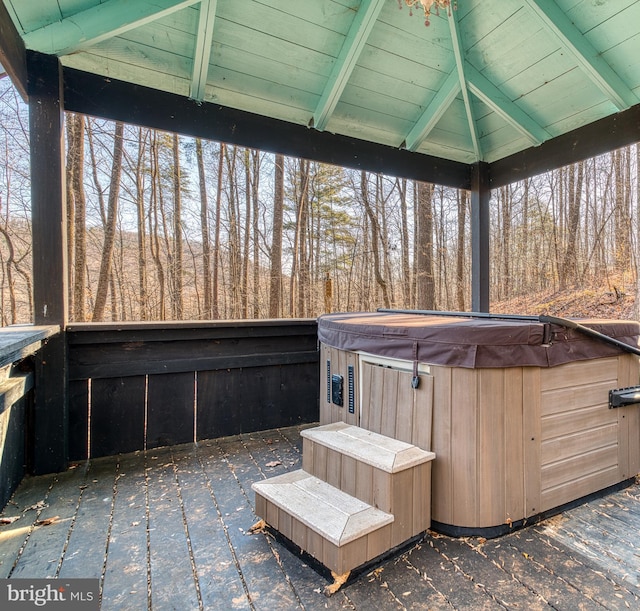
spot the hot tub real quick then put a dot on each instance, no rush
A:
(516, 410)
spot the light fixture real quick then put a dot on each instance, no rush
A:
(426, 6)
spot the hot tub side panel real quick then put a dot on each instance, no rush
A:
(513, 443)
(478, 427)
(510, 443)
(584, 445)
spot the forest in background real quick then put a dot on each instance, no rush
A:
(166, 227)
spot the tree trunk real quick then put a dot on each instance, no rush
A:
(177, 232)
(375, 238)
(70, 167)
(154, 242)
(215, 309)
(425, 286)
(401, 185)
(255, 165)
(140, 217)
(204, 232)
(276, 239)
(636, 305)
(570, 261)
(10, 281)
(303, 221)
(247, 234)
(233, 239)
(110, 227)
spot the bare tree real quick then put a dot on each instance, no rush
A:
(204, 232)
(110, 226)
(425, 286)
(462, 197)
(375, 238)
(275, 285)
(178, 301)
(143, 135)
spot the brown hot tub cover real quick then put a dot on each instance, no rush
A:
(460, 341)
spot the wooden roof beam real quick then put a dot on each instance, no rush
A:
(110, 98)
(13, 56)
(353, 44)
(100, 23)
(591, 62)
(202, 53)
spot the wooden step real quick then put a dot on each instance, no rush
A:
(379, 451)
(388, 474)
(340, 531)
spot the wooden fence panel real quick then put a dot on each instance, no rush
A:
(117, 415)
(186, 381)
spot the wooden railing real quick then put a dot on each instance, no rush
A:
(135, 386)
(17, 345)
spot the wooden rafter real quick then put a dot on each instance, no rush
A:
(458, 52)
(354, 42)
(202, 53)
(592, 63)
(99, 23)
(433, 112)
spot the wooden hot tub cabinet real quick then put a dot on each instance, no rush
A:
(516, 412)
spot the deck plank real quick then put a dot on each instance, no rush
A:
(205, 490)
(173, 583)
(14, 535)
(213, 556)
(524, 568)
(575, 569)
(494, 581)
(232, 470)
(86, 550)
(127, 552)
(43, 552)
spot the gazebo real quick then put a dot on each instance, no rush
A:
(488, 93)
(472, 94)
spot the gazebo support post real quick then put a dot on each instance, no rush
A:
(48, 209)
(480, 195)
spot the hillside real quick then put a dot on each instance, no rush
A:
(592, 302)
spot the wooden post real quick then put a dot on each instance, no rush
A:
(480, 194)
(48, 213)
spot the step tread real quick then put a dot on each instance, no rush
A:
(385, 453)
(335, 515)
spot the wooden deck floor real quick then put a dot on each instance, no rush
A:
(167, 530)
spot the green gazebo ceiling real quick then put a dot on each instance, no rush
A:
(485, 80)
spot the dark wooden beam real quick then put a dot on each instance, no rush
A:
(480, 195)
(112, 99)
(12, 52)
(597, 138)
(48, 214)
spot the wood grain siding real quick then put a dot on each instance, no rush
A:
(629, 420)
(392, 407)
(442, 472)
(584, 444)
